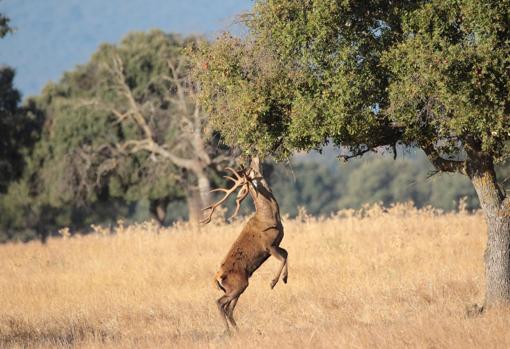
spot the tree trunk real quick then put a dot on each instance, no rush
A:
(497, 261)
(43, 236)
(158, 210)
(496, 210)
(198, 194)
(204, 189)
(194, 203)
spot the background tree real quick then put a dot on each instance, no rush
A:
(372, 74)
(149, 92)
(4, 25)
(122, 128)
(12, 121)
(323, 186)
(20, 129)
(12, 126)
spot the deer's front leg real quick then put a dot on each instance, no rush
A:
(280, 254)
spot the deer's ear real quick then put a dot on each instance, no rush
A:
(250, 174)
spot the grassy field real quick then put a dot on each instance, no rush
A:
(399, 277)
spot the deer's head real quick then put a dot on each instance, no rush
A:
(244, 180)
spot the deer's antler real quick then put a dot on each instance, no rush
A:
(239, 181)
(240, 197)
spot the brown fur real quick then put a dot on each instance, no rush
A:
(259, 239)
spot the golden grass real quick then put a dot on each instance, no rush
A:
(400, 277)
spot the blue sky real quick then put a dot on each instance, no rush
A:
(53, 36)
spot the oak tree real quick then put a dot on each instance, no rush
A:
(368, 74)
(128, 122)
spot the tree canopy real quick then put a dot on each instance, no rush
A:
(20, 129)
(85, 130)
(4, 25)
(310, 72)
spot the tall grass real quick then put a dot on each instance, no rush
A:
(376, 278)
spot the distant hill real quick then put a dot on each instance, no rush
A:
(54, 35)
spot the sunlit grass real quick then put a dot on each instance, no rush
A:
(399, 277)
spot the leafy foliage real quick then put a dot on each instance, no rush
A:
(4, 25)
(314, 71)
(453, 63)
(20, 128)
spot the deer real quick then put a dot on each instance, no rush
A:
(259, 239)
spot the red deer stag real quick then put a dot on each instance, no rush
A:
(259, 239)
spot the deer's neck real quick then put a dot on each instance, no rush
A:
(266, 206)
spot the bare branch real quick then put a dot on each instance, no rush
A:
(134, 146)
(175, 107)
(117, 69)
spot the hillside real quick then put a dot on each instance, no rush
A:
(54, 35)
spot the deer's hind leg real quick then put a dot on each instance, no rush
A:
(230, 312)
(235, 286)
(221, 307)
(280, 254)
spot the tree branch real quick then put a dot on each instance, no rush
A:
(193, 119)
(137, 116)
(135, 146)
(440, 163)
(356, 154)
(183, 113)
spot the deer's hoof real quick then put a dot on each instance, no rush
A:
(474, 310)
(273, 283)
(224, 335)
(284, 279)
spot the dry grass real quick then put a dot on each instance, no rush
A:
(396, 278)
